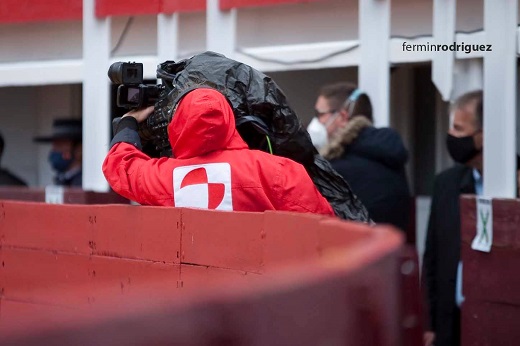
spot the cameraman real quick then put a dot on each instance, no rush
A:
(212, 167)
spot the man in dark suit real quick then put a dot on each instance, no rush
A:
(442, 253)
(7, 178)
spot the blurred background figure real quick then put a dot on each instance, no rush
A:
(371, 160)
(65, 156)
(442, 253)
(442, 269)
(6, 177)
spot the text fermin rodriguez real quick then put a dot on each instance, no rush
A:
(455, 47)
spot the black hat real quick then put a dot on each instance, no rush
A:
(63, 129)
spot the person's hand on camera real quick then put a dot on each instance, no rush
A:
(140, 114)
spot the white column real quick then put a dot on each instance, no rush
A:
(444, 14)
(500, 22)
(374, 69)
(468, 75)
(220, 29)
(167, 37)
(96, 93)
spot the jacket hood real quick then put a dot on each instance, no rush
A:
(202, 123)
(360, 138)
(383, 145)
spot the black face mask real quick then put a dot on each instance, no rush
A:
(461, 149)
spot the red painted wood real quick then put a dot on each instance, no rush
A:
(228, 4)
(489, 323)
(412, 312)
(150, 233)
(280, 246)
(45, 226)
(491, 283)
(38, 277)
(492, 277)
(77, 280)
(172, 6)
(122, 278)
(105, 8)
(115, 231)
(220, 239)
(318, 303)
(506, 218)
(315, 234)
(70, 196)
(319, 279)
(18, 314)
(194, 277)
(21, 11)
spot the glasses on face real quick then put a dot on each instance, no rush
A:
(319, 114)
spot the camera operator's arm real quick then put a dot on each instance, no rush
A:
(125, 163)
(126, 130)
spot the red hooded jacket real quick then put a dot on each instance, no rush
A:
(212, 168)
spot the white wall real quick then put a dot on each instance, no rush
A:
(140, 38)
(40, 41)
(332, 20)
(302, 87)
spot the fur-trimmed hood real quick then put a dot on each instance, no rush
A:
(360, 138)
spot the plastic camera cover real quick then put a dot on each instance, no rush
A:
(259, 104)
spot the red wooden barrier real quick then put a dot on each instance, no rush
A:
(71, 195)
(73, 274)
(491, 284)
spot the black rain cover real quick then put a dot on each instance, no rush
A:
(260, 108)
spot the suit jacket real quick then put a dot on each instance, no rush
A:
(7, 178)
(442, 252)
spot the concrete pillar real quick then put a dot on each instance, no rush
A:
(220, 29)
(500, 24)
(96, 93)
(468, 75)
(444, 15)
(374, 70)
(167, 37)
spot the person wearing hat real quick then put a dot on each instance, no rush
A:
(66, 153)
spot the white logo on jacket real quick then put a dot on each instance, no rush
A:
(206, 186)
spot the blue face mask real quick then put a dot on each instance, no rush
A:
(57, 161)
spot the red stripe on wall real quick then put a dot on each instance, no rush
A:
(171, 6)
(22, 11)
(229, 4)
(105, 8)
